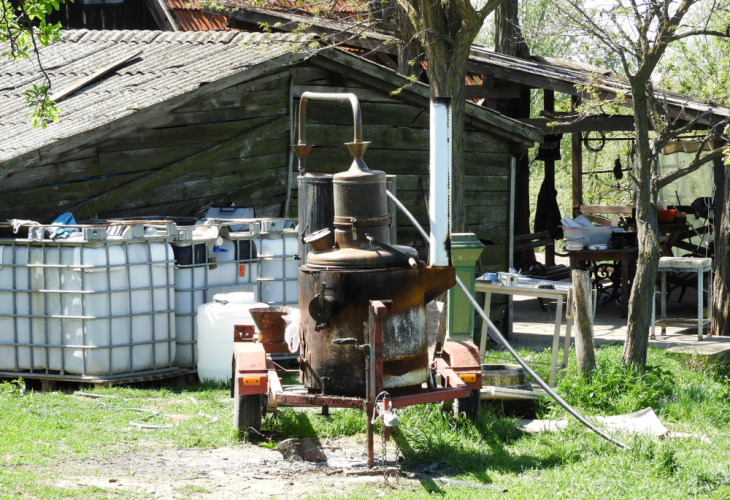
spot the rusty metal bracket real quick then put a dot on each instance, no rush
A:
(243, 333)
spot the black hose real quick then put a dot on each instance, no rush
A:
(506, 344)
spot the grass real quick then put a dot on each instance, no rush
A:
(688, 394)
(38, 429)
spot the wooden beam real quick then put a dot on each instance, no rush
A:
(481, 92)
(387, 60)
(602, 123)
(577, 165)
(277, 22)
(549, 107)
(161, 13)
(524, 78)
(108, 200)
(79, 84)
(720, 191)
(606, 209)
(419, 94)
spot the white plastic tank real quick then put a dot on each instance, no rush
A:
(76, 307)
(278, 267)
(215, 321)
(209, 258)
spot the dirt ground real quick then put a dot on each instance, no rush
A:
(242, 471)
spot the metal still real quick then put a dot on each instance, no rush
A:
(355, 265)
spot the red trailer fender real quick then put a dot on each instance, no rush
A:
(460, 358)
(250, 368)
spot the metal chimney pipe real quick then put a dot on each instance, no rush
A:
(439, 204)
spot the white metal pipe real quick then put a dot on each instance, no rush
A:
(439, 204)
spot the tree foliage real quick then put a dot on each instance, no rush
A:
(23, 31)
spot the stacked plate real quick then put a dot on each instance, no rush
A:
(575, 242)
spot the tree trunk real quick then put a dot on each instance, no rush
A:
(583, 307)
(721, 290)
(508, 37)
(642, 291)
(508, 40)
(447, 58)
(446, 31)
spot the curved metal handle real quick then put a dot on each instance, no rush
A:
(322, 96)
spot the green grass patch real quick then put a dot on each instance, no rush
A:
(688, 394)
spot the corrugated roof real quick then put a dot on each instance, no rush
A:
(171, 64)
(534, 73)
(196, 20)
(571, 73)
(191, 18)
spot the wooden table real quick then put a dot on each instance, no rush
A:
(526, 287)
(627, 257)
(674, 236)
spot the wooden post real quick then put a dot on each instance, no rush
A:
(583, 314)
(577, 162)
(719, 171)
(549, 105)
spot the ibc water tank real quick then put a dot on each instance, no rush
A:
(209, 259)
(86, 308)
(215, 323)
(278, 255)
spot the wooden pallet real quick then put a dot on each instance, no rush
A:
(48, 381)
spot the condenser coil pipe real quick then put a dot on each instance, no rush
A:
(506, 344)
(322, 96)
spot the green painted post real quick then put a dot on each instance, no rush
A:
(465, 251)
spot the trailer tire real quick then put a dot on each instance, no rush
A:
(247, 410)
(470, 406)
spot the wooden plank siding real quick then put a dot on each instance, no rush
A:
(234, 146)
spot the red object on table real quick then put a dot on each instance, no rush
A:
(666, 215)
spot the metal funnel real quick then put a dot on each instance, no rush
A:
(357, 148)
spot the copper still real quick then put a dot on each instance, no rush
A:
(357, 264)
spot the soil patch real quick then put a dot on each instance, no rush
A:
(240, 471)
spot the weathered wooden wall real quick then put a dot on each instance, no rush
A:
(233, 146)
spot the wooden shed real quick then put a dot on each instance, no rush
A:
(168, 124)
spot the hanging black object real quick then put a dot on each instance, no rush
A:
(617, 170)
(550, 148)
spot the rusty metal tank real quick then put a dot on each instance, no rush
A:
(343, 274)
(340, 369)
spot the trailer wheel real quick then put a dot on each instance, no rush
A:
(470, 406)
(246, 410)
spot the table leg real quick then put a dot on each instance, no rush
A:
(568, 327)
(700, 302)
(556, 341)
(625, 287)
(653, 315)
(566, 345)
(485, 327)
(664, 301)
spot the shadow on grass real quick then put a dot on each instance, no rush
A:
(430, 437)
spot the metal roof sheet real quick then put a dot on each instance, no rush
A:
(171, 64)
